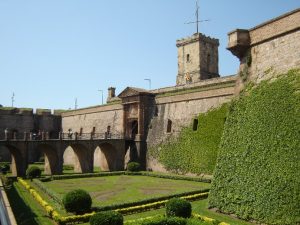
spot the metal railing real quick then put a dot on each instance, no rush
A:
(29, 136)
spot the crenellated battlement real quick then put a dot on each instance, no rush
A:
(195, 38)
(30, 111)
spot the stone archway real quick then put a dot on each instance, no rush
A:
(18, 161)
(83, 158)
(106, 157)
(51, 165)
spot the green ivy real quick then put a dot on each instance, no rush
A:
(257, 174)
(194, 151)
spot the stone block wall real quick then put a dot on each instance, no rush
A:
(24, 120)
(98, 118)
(177, 111)
(275, 56)
(272, 48)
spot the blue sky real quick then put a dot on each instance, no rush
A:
(54, 51)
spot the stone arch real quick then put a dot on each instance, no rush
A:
(51, 159)
(83, 158)
(106, 157)
(18, 161)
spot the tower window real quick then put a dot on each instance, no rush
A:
(188, 58)
(169, 126)
(81, 131)
(195, 124)
(208, 62)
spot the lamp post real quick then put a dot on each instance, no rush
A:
(101, 96)
(76, 103)
(149, 80)
(12, 99)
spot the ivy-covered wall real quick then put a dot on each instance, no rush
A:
(257, 175)
(194, 151)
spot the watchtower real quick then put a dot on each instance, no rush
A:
(198, 59)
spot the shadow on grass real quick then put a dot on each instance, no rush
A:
(22, 211)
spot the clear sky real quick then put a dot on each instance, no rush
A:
(54, 51)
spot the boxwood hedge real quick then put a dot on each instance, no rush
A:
(258, 171)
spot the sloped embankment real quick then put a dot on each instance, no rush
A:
(196, 148)
(257, 175)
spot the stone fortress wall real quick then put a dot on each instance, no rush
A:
(18, 121)
(272, 46)
(269, 48)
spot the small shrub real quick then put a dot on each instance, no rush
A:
(167, 221)
(42, 159)
(107, 218)
(178, 207)
(77, 201)
(68, 167)
(33, 172)
(5, 168)
(133, 166)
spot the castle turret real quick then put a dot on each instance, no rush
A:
(197, 59)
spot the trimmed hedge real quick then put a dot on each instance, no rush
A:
(150, 174)
(196, 219)
(77, 201)
(85, 217)
(151, 203)
(133, 166)
(107, 218)
(258, 171)
(82, 175)
(167, 221)
(194, 151)
(178, 207)
(48, 191)
(33, 172)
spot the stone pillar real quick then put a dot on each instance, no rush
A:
(140, 133)
(25, 136)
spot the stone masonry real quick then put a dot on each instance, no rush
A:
(197, 59)
(267, 49)
(147, 118)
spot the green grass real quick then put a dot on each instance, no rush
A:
(26, 210)
(122, 189)
(199, 207)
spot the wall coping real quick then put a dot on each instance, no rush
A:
(209, 82)
(29, 111)
(93, 109)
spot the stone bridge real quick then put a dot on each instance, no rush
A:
(24, 151)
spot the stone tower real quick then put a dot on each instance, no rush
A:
(197, 59)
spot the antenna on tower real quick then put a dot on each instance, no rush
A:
(197, 18)
(12, 99)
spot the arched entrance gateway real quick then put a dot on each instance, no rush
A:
(138, 106)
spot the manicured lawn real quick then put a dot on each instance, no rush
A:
(120, 189)
(199, 207)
